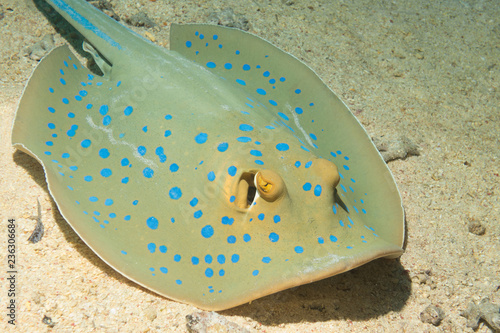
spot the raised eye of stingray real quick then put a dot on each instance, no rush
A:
(270, 185)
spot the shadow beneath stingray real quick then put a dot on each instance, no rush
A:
(367, 292)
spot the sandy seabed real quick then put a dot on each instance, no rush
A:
(427, 70)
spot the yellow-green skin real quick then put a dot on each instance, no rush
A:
(213, 174)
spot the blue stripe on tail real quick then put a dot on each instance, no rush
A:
(85, 23)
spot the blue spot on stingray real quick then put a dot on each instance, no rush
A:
(259, 162)
(106, 120)
(246, 238)
(284, 116)
(255, 152)
(128, 110)
(308, 164)
(245, 128)
(299, 249)
(333, 238)
(209, 272)
(93, 199)
(266, 73)
(313, 136)
(175, 193)
(321, 240)
(317, 190)
(243, 83)
(152, 247)
(177, 258)
(299, 110)
(162, 248)
(208, 259)
(232, 198)
(141, 150)
(198, 214)
(274, 237)
(168, 117)
(73, 168)
(49, 143)
(65, 100)
(148, 172)
(174, 167)
(145, 129)
(106, 172)
(276, 218)
(103, 109)
(261, 91)
(266, 260)
(201, 138)
(211, 64)
(108, 202)
(152, 223)
(282, 147)
(51, 110)
(297, 164)
(86, 143)
(89, 106)
(168, 133)
(63, 82)
(104, 153)
(231, 239)
(71, 115)
(125, 162)
(125, 180)
(273, 102)
(207, 231)
(51, 90)
(164, 271)
(346, 167)
(222, 147)
(307, 187)
(235, 258)
(211, 176)
(195, 260)
(297, 91)
(246, 67)
(88, 178)
(228, 65)
(227, 221)
(244, 139)
(232, 170)
(255, 272)
(221, 259)
(193, 202)
(188, 43)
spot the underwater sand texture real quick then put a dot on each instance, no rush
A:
(428, 72)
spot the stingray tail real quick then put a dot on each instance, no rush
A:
(108, 36)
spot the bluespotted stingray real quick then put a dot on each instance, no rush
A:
(214, 173)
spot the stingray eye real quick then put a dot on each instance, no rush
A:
(269, 184)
